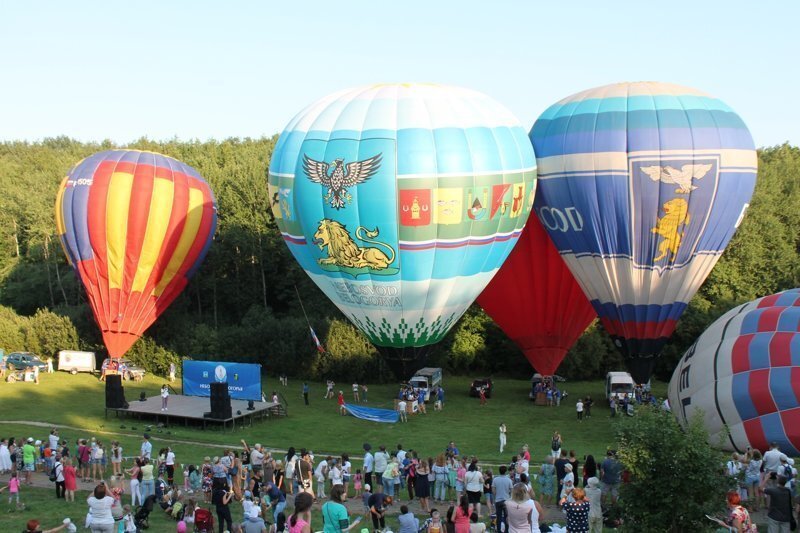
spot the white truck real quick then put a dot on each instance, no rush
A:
(74, 362)
(619, 385)
(426, 379)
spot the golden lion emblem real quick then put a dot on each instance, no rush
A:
(676, 214)
(344, 252)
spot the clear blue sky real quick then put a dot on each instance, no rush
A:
(195, 69)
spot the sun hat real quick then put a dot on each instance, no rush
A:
(30, 439)
(592, 482)
(367, 487)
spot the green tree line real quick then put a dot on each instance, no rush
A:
(244, 304)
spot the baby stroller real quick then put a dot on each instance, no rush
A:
(142, 516)
(203, 521)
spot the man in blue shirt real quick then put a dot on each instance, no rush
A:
(610, 475)
(452, 448)
(439, 399)
(369, 464)
(305, 393)
(501, 491)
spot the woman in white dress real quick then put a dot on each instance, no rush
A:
(568, 484)
(5, 457)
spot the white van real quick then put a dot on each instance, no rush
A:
(619, 385)
(74, 362)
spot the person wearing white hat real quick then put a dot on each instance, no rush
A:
(594, 494)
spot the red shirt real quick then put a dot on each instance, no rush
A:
(340, 399)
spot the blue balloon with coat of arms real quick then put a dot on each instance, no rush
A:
(401, 201)
(641, 186)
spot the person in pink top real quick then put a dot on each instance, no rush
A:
(70, 480)
(460, 515)
(300, 521)
(526, 453)
(13, 488)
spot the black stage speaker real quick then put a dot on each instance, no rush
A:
(220, 401)
(115, 393)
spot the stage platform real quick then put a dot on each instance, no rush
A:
(193, 407)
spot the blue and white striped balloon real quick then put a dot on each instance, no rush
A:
(641, 186)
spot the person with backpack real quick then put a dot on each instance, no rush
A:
(555, 445)
(57, 476)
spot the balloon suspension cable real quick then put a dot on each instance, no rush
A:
(302, 306)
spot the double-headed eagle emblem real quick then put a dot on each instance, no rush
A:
(682, 178)
(342, 176)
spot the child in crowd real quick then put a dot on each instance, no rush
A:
(13, 488)
(357, 481)
(128, 521)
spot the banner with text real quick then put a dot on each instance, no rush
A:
(244, 379)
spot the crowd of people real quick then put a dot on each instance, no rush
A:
(454, 491)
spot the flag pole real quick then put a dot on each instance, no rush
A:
(301, 305)
(320, 347)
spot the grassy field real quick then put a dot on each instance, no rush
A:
(78, 401)
(76, 405)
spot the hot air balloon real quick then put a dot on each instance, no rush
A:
(536, 301)
(401, 201)
(641, 187)
(743, 374)
(135, 226)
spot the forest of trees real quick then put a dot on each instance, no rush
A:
(243, 304)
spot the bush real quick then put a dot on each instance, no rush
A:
(349, 355)
(47, 333)
(11, 337)
(677, 477)
(153, 357)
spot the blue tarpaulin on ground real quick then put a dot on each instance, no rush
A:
(372, 414)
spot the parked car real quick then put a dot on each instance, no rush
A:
(22, 360)
(128, 369)
(132, 371)
(477, 384)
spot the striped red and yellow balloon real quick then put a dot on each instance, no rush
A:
(135, 226)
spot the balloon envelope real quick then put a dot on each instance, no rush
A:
(743, 373)
(536, 301)
(641, 187)
(401, 201)
(135, 226)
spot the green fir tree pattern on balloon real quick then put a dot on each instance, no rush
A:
(403, 334)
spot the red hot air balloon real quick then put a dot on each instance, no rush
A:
(536, 301)
(135, 226)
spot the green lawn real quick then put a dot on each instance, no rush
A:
(77, 401)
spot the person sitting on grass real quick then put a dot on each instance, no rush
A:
(34, 526)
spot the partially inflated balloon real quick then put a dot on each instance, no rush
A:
(536, 301)
(135, 226)
(641, 187)
(401, 201)
(743, 374)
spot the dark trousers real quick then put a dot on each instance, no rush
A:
(378, 520)
(368, 479)
(170, 474)
(502, 516)
(411, 488)
(60, 489)
(379, 480)
(305, 397)
(224, 517)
